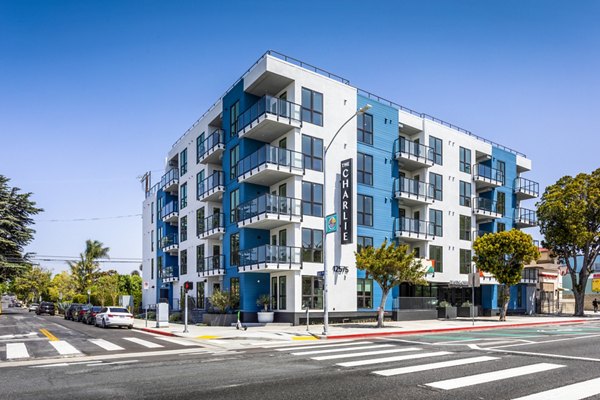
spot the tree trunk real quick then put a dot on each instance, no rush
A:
(505, 299)
(381, 310)
(579, 302)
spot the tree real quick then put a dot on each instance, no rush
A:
(62, 284)
(87, 270)
(107, 287)
(569, 218)
(504, 254)
(16, 210)
(33, 283)
(390, 265)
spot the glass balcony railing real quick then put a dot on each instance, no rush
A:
(271, 254)
(413, 187)
(486, 172)
(169, 240)
(269, 105)
(525, 216)
(210, 265)
(523, 185)
(487, 205)
(170, 208)
(214, 139)
(169, 272)
(169, 178)
(415, 226)
(269, 203)
(211, 222)
(418, 150)
(215, 180)
(270, 155)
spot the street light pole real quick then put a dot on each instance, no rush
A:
(361, 110)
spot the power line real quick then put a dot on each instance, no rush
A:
(89, 219)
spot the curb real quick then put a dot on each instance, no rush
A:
(441, 330)
(156, 331)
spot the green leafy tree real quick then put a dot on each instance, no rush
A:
(390, 265)
(504, 254)
(16, 211)
(87, 270)
(33, 283)
(62, 284)
(569, 218)
(222, 300)
(107, 289)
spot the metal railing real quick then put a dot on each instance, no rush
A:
(527, 186)
(169, 177)
(403, 145)
(413, 187)
(414, 303)
(526, 216)
(269, 203)
(168, 240)
(169, 272)
(214, 180)
(211, 264)
(152, 190)
(484, 171)
(269, 105)
(170, 208)
(271, 254)
(214, 139)
(487, 205)
(211, 222)
(270, 155)
(415, 226)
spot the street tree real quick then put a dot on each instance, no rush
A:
(504, 254)
(389, 265)
(62, 287)
(86, 270)
(33, 283)
(569, 218)
(16, 211)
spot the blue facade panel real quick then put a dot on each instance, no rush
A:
(510, 163)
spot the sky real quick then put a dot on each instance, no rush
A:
(94, 93)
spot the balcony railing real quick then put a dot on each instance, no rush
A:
(211, 223)
(271, 254)
(486, 205)
(213, 265)
(525, 217)
(413, 188)
(169, 273)
(282, 158)
(530, 275)
(169, 179)
(282, 109)
(213, 181)
(213, 141)
(414, 226)
(270, 204)
(527, 187)
(404, 148)
(169, 240)
(171, 208)
(493, 175)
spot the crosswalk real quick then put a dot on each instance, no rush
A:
(400, 361)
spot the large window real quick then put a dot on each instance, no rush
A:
(464, 232)
(234, 113)
(312, 107)
(234, 249)
(200, 296)
(234, 290)
(312, 245)
(183, 229)
(152, 268)
(465, 160)
(200, 221)
(436, 145)
(234, 201)
(501, 203)
(200, 257)
(199, 183)
(500, 227)
(183, 162)
(465, 261)
(364, 293)
(436, 254)
(465, 194)
(312, 292)
(183, 196)
(199, 149)
(364, 210)
(312, 199)
(234, 157)
(362, 242)
(364, 169)
(312, 148)
(152, 241)
(278, 293)
(365, 128)
(183, 262)
(435, 217)
(436, 181)
(502, 168)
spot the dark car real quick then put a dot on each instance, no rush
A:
(46, 307)
(90, 315)
(70, 311)
(80, 313)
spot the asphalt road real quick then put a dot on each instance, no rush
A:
(493, 364)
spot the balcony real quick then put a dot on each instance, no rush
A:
(412, 192)
(169, 274)
(170, 182)
(414, 230)
(211, 266)
(170, 244)
(487, 177)
(213, 227)
(412, 155)
(485, 210)
(268, 119)
(525, 218)
(270, 258)
(211, 149)
(526, 189)
(530, 275)
(269, 211)
(212, 188)
(269, 165)
(170, 213)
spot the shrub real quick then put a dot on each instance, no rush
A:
(175, 317)
(444, 303)
(222, 300)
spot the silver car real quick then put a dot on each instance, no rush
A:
(114, 316)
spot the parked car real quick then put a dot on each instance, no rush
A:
(114, 316)
(46, 307)
(81, 310)
(90, 315)
(70, 311)
(33, 307)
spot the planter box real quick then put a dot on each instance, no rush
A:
(466, 311)
(446, 312)
(265, 317)
(219, 319)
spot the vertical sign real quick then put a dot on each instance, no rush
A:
(346, 197)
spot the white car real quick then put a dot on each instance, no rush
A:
(114, 316)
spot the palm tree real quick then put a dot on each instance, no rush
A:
(87, 269)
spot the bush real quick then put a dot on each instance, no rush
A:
(223, 301)
(175, 317)
(466, 304)
(444, 303)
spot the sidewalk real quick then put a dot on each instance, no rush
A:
(284, 332)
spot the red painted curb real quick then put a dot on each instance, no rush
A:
(156, 331)
(441, 330)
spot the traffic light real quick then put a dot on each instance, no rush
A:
(188, 286)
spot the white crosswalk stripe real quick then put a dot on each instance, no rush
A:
(179, 341)
(471, 380)
(106, 345)
(321, 346)
(64, 348)
(394, 359)
(576, 391)
(16, 350)
(436, 365)
(143, 342)
(363, 354)
(337, 350)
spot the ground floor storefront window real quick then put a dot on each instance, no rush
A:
(312, 292)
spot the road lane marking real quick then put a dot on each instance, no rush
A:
(18, 336)
(179, 341)
(106, 345)
(436, 365)
(144, 343)
(364, 354)
(471, 380)
(49, 335)
(548, 341)
(337, 350)
(64, 348)
(576, 391)
(394, 358)
(321, 346)
(16, 350)
(531, 353)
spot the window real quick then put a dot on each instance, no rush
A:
(312, 292)
(312, 199)
(152, 241)
(234, 202)
(501, 166)
(500, 227)
(312, 107)
(501, 203)
(282, 293)
(159, 265)
(465, 194)
(312, 148)
(312, 245)
(199, 221)
(365, 128)
(435, 218)
(183, 262)
(199, 147)
(464, 232)
(362, 242)
(436, 145)
(183, 196)
(152, 213)
(274, 293)
(200, 258)
(234, 112)
(200, 184)
(465, 160)
(183, 162)
(364, 169)
(234, 290)
(364, 210)
(200, 296)
(436, 181)
(234, 157)
(364, 293)
(234, 248)
(436, 254)
(465, 261)
(152, 268)
(159, 205)
(183, 229)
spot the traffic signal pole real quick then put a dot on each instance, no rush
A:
(185, 316)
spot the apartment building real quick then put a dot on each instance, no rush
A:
(242, 201)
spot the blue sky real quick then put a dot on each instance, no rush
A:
(94, 93)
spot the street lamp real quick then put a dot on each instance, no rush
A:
(360, 111)
(89, 292)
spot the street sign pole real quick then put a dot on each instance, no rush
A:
(185, 317)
